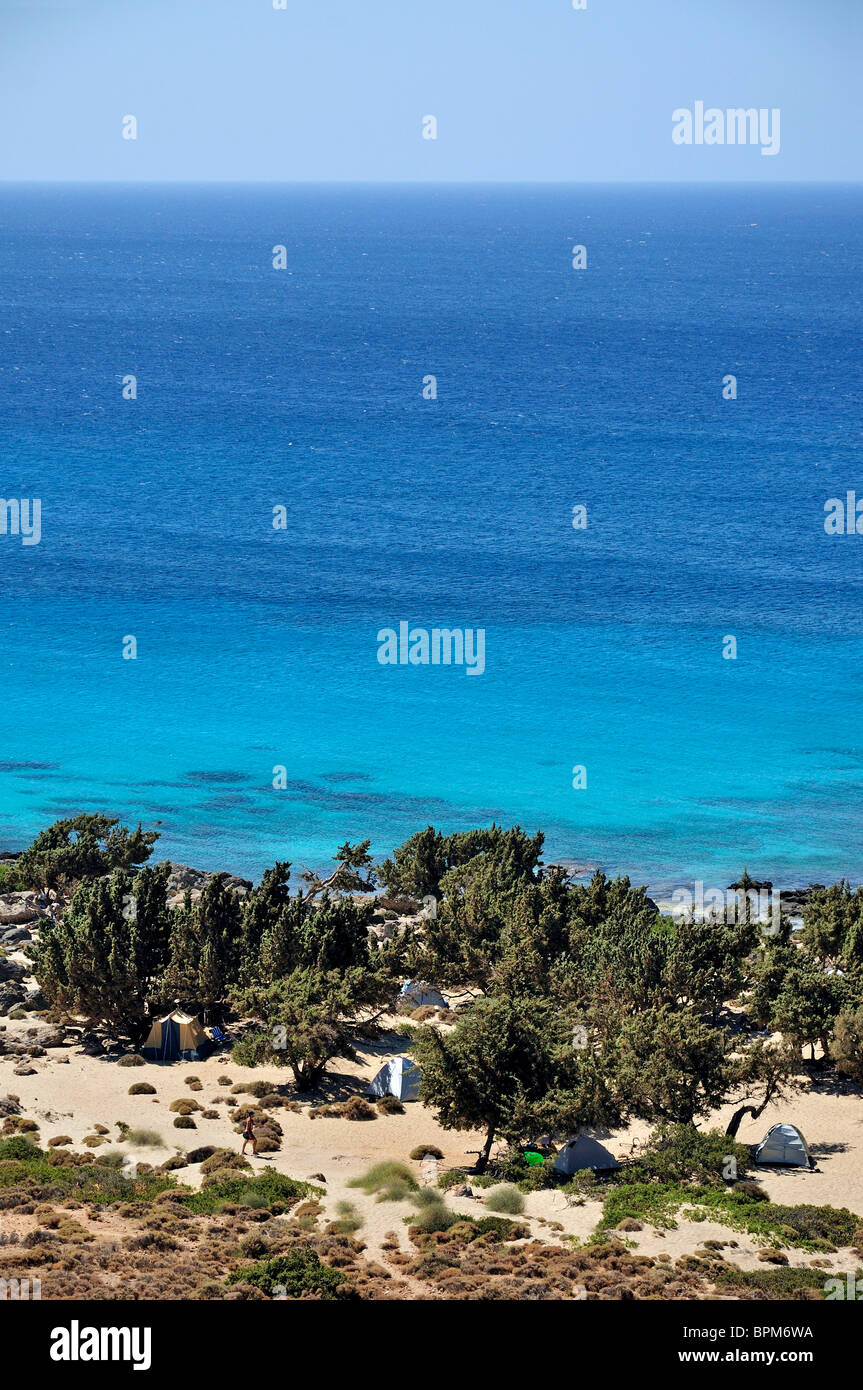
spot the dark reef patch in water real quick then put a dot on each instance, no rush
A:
(218, 777)
(13, 766)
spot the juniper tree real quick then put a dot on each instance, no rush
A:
(833, 924)
(420, 864)
(106, 958)
(509, 1069)
(84, 846)
(315, 980)
(206, 947)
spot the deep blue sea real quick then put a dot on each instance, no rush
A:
(303, 388)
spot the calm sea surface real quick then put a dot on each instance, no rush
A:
(302, 388)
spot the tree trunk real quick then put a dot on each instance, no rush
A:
(482, 1161)
(737, 1118)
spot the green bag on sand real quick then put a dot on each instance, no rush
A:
(533, 1159)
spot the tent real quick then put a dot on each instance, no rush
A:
(784, 1144)
(584, 1152)
(174, 1036)
(399, 1077)
(421, 995)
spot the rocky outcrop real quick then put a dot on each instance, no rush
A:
(45, 1035)
(794, 900)
(183, 879)
(11, 971)
(15, 936)
(17, 909)
(11, 997)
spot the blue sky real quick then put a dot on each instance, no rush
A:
(337, 89)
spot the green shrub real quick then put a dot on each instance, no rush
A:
(278, 1191)
(804, 1227)
(131, 1059)
(681, 1153)
(751, 1189)
(142, 1088)
(776, 1283)
(292, 1275)
(224, 1158)
(199, 1155)
(145, 1139)
(348, 1222)
(425, 1151)
(505, 1199)
(433, 1216)
(426, 1197)
(11, 879)
(391, 1181)
(18, 1147)
(499, 1228)
(184, 1122)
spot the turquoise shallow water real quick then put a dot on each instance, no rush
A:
(257, 649)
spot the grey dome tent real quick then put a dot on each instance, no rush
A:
(784, 1144)
(584, 1152)
(399, 1077)
(421, 995)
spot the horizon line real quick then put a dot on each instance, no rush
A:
(436, 183)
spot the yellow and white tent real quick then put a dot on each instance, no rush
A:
(174, 1036)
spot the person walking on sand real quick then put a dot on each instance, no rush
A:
(249, 1134)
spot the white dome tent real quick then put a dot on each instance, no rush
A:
(400, 1077)
(421, 995)
(784, 1145)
